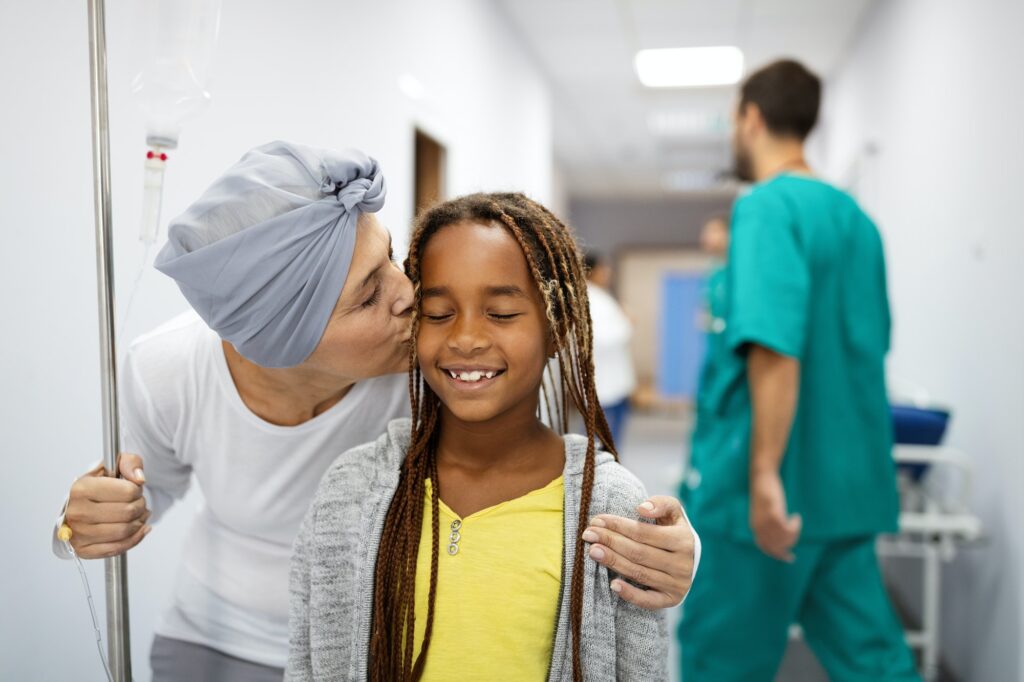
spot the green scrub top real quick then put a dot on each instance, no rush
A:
(805, 278)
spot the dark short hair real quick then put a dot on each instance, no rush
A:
(787, 94)
(591, 259)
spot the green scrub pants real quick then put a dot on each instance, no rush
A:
(736, 618)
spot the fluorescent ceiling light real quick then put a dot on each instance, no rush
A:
(683, 67)
(689, 180)
(688, 123)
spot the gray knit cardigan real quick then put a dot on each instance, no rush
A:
(335, 553)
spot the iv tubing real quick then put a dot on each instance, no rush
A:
(152, 196)
(65, 536)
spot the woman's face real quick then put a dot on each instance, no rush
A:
(368, 333)
(483, 335)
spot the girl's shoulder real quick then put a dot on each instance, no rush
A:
(616, 489)
(365, 466)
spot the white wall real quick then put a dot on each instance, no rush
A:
(322, 72)
(936, 86)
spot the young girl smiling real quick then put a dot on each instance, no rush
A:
(453, 547)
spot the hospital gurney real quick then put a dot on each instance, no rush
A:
(935, 486)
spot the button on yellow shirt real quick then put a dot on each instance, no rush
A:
(498, 587)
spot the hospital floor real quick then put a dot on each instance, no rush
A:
(655, 448)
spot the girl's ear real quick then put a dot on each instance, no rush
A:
(552, 347)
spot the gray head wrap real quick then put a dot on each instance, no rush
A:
(263, 254)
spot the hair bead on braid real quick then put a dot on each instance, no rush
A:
(556, 265)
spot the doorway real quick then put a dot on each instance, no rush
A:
(429, 160)
(662, 290)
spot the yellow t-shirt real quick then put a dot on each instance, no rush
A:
(499, 579)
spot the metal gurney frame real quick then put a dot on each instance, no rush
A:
(932, 530)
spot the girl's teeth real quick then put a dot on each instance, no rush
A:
(471, 377)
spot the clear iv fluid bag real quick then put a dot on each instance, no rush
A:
(179, 38)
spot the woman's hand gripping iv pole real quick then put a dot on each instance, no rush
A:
(108, 515)
(109, 525)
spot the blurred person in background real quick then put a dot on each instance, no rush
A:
(613, 356)
(714, 242)
(792, 474)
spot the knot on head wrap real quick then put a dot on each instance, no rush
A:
(263, 254)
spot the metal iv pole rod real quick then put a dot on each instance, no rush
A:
(118, 649)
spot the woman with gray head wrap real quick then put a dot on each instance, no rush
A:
(294, 353)
(268, 287)
(291, 356)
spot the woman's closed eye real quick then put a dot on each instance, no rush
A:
(374, 298)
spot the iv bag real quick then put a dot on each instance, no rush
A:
(179, 38)
(178, 41)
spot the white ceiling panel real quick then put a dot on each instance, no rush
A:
(602, 135)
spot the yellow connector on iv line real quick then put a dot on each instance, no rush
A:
(64, 533)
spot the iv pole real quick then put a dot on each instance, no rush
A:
(116, 568)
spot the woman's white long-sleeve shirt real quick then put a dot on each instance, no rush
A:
(182, 413)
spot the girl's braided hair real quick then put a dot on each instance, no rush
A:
(557, 267)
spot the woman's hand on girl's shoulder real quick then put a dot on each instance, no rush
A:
(660, 556)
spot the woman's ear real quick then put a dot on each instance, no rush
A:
(552, 347)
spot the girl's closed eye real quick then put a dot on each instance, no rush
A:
(436, 316)
(499, 316)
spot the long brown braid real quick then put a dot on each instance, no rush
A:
(557, 268)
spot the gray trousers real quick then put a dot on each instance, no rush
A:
(173, 660)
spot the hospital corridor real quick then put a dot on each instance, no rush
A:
(512, 340)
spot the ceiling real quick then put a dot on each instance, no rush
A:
(605, 121)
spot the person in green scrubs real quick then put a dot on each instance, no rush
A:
(714, 242)
(792, 476)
